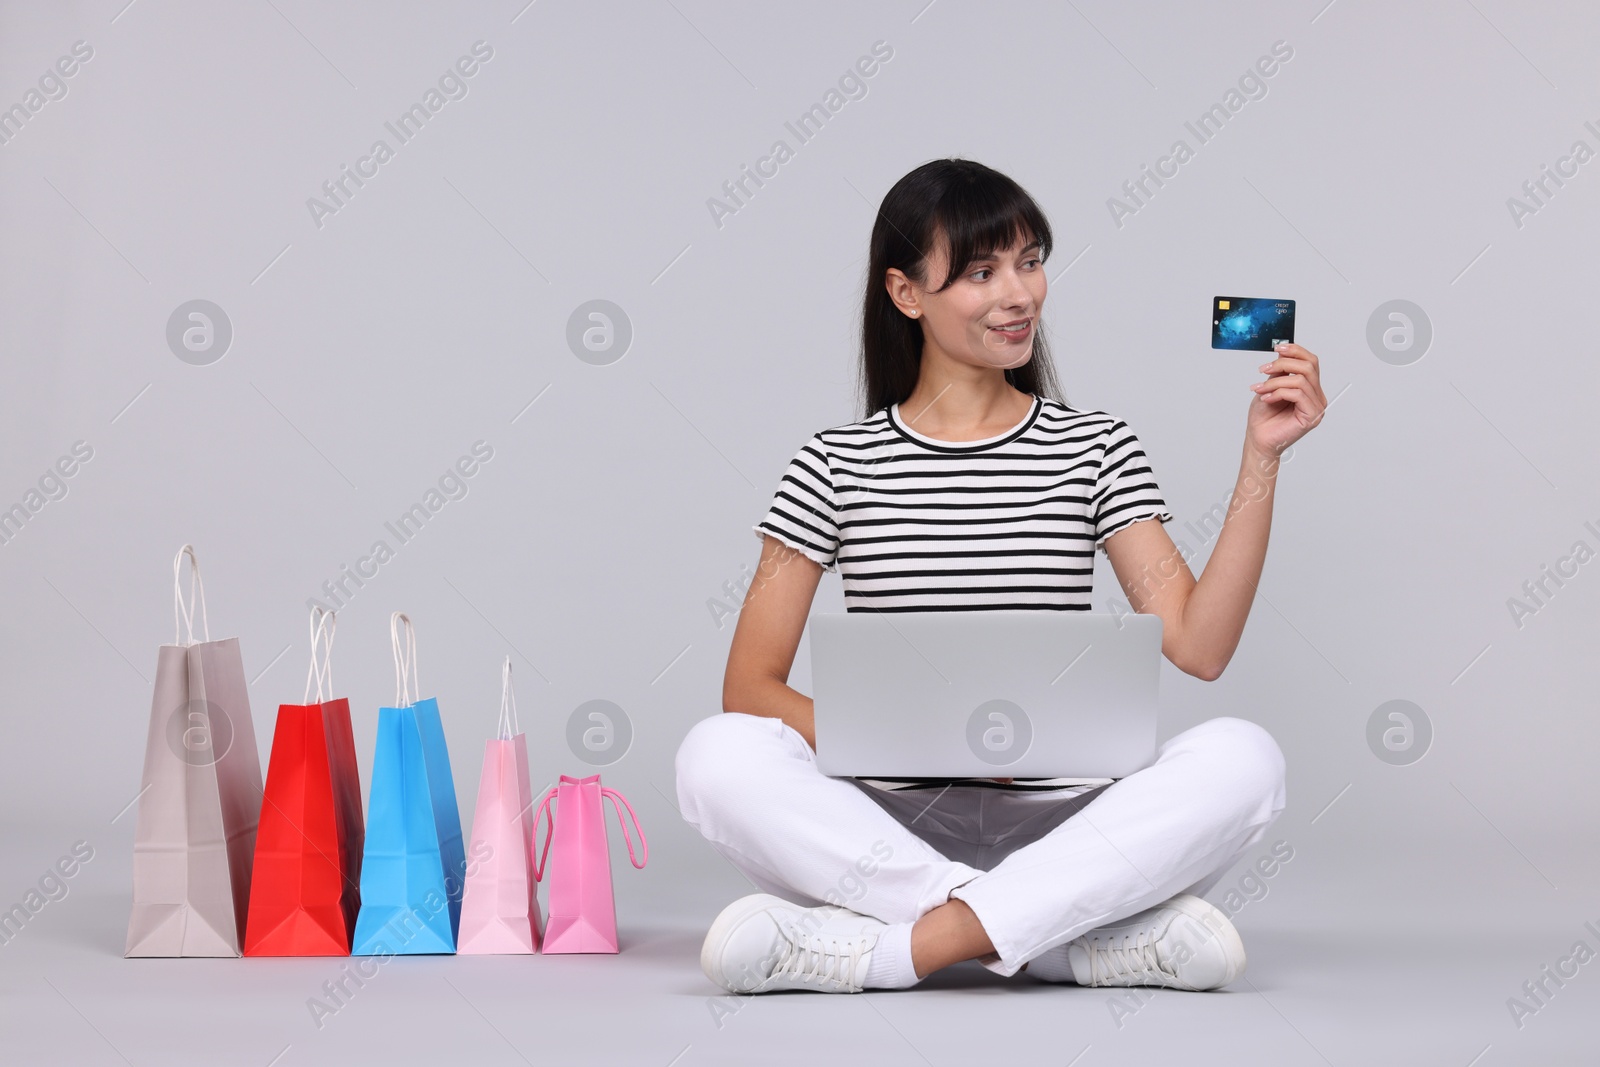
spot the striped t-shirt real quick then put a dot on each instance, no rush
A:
(912, 523)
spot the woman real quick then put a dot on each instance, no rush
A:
(970, 485)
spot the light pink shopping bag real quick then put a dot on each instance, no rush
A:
(583, 913)
(499, 906)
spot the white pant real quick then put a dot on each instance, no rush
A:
(1038, 869)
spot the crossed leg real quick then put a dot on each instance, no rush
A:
(750, 785)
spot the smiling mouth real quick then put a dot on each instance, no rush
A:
(1015, 329)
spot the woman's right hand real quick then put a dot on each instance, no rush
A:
(767, 636)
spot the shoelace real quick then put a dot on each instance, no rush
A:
(811, 956)
(1125, 960)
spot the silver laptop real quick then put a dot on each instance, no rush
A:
(985, 694)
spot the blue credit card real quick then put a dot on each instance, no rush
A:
(1251, 324)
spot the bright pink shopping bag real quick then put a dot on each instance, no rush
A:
(499, 906)
(583, 913)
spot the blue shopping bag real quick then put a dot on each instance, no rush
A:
(413, 868)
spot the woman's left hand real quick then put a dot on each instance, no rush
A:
(1289, 403)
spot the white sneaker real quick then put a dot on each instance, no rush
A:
(762, 943)
(1185, 943)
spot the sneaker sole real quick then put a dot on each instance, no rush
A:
(1215, 920)
(729, 918)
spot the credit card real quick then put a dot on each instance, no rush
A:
(1251, 324)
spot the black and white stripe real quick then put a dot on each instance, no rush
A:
(1011, 522)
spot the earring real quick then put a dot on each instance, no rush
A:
(914, 314)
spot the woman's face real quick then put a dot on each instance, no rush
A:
(1005, 289)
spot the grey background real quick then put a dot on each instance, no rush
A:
(431, 312)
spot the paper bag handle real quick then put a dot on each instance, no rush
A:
(197, 593)
(405, 661)
(323, 622)
(544, 809)
(616, 799)
(508, 704)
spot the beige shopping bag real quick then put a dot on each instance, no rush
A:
(200, 796)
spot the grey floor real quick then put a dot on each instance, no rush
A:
(1404, 962)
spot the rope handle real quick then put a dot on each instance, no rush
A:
(644, 846)
(405, 661)
(544, 806)
(185, 612)
(323, 622)
(616, 800)
(508, 704)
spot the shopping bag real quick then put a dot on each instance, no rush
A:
(499, 906)
(582, 911)
(305, 889)
(412, 868)
(200, 794)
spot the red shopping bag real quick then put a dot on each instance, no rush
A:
(582, 909)
(307, 886)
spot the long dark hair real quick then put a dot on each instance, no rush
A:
(979, 210)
